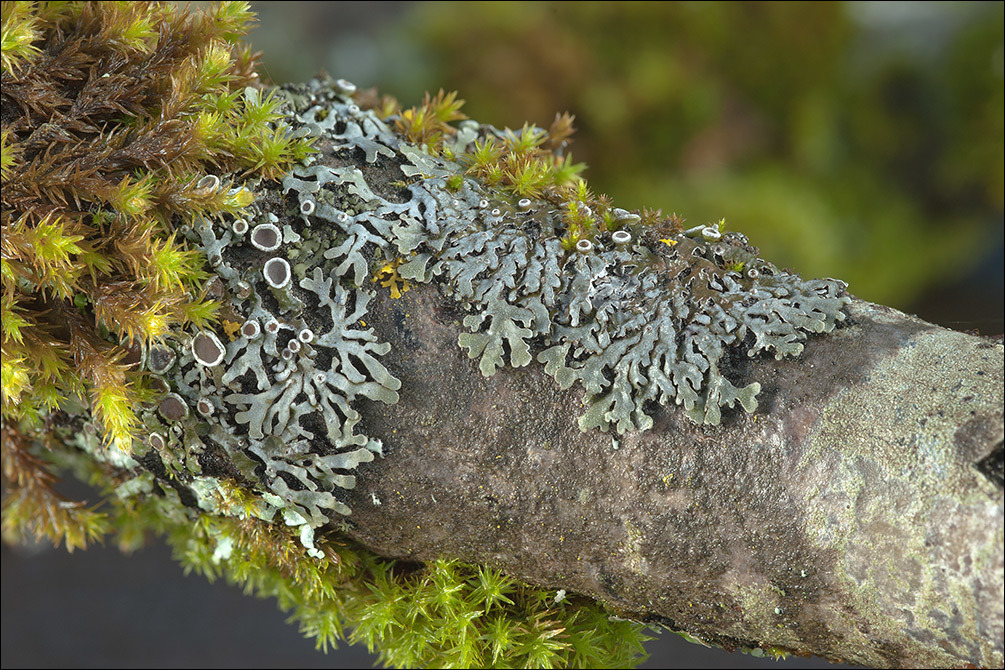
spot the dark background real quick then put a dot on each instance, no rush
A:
(101, 609)
(893, 117)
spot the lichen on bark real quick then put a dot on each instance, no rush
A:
(332, 400)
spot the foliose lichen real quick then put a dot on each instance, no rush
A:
(637, 323)
(632, 323)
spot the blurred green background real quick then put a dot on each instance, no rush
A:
(859, 141)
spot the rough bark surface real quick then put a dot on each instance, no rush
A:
(850, 517)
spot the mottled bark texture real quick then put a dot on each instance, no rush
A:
(856, 515)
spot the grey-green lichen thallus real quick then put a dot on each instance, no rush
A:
(636, 323)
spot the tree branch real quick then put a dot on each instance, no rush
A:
(852, 508)
(848, 517)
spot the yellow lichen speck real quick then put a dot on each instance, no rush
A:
(388, 277)
(231, 328)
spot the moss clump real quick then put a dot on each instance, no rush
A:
(443, 614)
(116, 119)
(530, 163)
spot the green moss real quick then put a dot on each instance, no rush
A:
(170, 102)
(443, 614)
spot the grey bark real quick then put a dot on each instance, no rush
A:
(857, 515)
